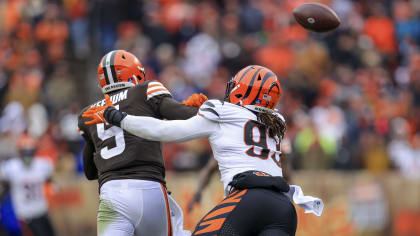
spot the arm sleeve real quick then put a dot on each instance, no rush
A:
(170, 109)
(169, 131)
(89, 166)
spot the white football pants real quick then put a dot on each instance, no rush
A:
(133, 207)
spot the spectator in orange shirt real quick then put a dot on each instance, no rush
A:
(380, 28)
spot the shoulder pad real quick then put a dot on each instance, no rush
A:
(211, 109)
(155, 88)
(219, 111)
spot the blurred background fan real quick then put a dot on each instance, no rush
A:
(351, 98)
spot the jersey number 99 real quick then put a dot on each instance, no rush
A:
(261, 142)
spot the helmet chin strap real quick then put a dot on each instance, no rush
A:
(116, 86)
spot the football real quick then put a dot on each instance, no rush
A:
(316, 17)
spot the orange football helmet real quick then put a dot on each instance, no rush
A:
(120, 69)
(254, 87)
(26, 141)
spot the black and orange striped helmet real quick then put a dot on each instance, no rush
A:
(120, 69)
(254, 87)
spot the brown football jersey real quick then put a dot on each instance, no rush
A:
(120, 155)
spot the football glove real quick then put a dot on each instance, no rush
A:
(96, 113)
(195, 100)
(103, 114)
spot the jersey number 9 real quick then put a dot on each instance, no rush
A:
(105, 134)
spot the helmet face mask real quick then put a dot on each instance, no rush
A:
(27, 155)
(27, 148)
(254, 87)
(119, 69)
(229, 87)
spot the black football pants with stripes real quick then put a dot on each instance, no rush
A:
(250, 212)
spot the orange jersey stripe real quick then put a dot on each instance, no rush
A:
(156, 90)
(234, 198)
(213, 225)
(168, 212)
(154, 85)
(220, 212)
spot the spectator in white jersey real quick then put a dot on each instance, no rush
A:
(26, 176)
(245, 133)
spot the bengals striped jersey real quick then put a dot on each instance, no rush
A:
(241, 142)
(117, 154)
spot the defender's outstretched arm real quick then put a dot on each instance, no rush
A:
(169, 131)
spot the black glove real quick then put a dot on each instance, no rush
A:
(114, 116)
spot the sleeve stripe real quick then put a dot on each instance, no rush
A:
(210, 110)
(157, 93)
(156, 90)
(154, 83)
(209, 104)
(155, 87)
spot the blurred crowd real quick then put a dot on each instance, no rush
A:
(351, 97)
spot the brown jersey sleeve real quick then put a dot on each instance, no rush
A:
(83, 131)
(170, 109)
(89, 166)
(162, 103)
